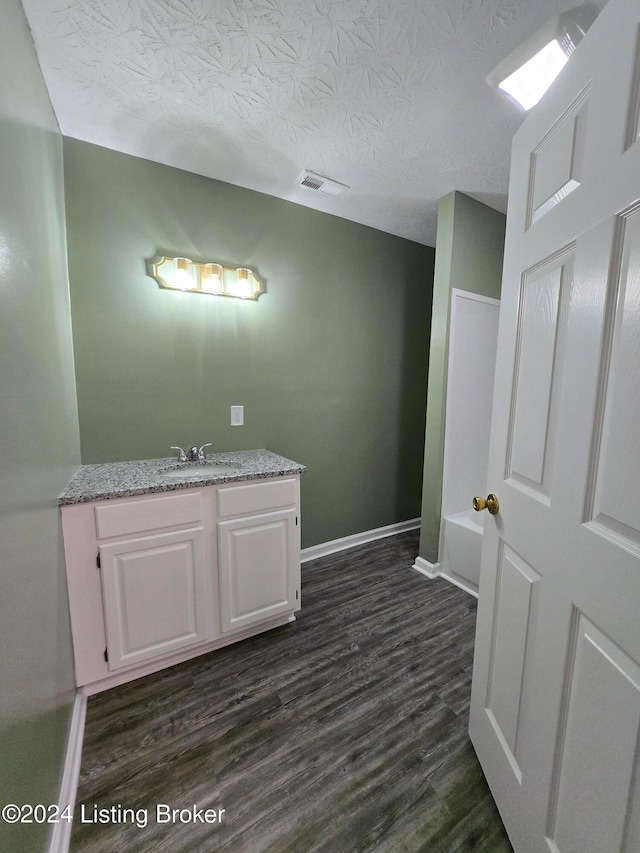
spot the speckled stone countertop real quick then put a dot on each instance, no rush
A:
(125, 479)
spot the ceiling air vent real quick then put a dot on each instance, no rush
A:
(320, 184)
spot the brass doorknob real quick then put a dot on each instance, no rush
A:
(491, 503)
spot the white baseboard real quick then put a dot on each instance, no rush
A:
(61, 835)
(332, 547)
(432, 571)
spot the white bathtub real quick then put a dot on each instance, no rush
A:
(461, 548)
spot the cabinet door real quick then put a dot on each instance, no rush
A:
(259, 565)
(155, 595)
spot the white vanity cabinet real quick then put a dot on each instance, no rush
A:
(156, 579)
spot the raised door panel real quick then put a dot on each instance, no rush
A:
(596, 760)
(538, 364)
(556, 163)
(155, 595)
(611, 505)
(259, 567)
(516, 612)
(632, 134)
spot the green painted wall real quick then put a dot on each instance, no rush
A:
(38, 436)
(469, 251)
(330, 364)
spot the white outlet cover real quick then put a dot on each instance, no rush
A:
(237, 415)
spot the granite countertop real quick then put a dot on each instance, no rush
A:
(146, 476)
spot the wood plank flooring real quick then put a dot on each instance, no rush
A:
(344, 731)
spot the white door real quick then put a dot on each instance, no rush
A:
(259, 565)
(156, 595)
(555, 709)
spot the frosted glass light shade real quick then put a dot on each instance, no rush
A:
(182, 278)
(244, 288)
(525, 75)
(529, 83)
(211, 279)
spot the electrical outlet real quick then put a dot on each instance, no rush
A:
(237, 415)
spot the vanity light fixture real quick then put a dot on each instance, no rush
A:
(526, 74)
(210, 277)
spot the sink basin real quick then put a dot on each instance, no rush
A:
(196, 472)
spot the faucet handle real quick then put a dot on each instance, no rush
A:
(183, 456)
(201, 454)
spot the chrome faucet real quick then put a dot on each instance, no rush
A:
(195, 454)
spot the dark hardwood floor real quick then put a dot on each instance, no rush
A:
(344, 731)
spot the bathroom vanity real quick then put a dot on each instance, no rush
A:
(166, 560)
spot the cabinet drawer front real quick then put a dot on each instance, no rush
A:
(124, 517)
(255, 497)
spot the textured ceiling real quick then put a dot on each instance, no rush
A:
(386, 96)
